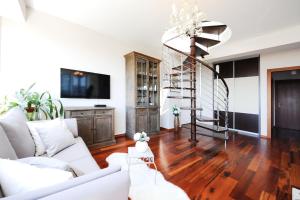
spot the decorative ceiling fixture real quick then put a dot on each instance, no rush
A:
(188, 19)
(189, 22)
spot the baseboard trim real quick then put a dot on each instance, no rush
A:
(166, 129)
(247, 133)
(265, 137)
(120, 135)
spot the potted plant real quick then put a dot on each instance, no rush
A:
(35, 105)
(176, 112)
(142, 140)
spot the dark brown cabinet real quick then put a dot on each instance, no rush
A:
(142, 94)
(95, 125)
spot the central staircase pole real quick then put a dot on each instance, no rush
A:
(193, 92)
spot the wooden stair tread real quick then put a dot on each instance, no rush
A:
(175, 80)
(207, 132)
(201, 52)
(183, 73)
(178, 68)
(180, 97)
(212, 127)
(206, 119)
(189, 108)
(214, 29)
(188, 61)
(179, 88)
(207, 42)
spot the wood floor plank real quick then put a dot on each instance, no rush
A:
(248, 168)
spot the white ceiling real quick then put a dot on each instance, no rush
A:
(143, 22)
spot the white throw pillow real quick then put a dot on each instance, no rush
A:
(55, 136)
(40, 148)
(17, 177)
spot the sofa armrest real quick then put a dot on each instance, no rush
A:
(114, 186)
(72, 126)
(108, 183)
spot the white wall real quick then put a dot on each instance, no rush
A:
(255, 45)
(246, 95)
(285, 58)
(35, 51)
(0, 41)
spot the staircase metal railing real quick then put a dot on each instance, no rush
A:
(212, 93)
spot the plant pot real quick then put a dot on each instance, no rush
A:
(30, 109)
(30, 113)
(176, 123)
(141, 147)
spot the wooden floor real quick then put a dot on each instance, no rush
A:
(249, 168)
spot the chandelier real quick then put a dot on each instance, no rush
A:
(188, 19)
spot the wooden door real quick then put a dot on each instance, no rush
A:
(141, 120)
(154, 122)
(103, 128)
(85, 129)
(287, 104)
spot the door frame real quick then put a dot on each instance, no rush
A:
(269, 94)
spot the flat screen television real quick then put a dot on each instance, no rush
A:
(81, 84)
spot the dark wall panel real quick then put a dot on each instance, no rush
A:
(246, 122)
(246, 67)
(222, 121)
(238, 69)
(226, 69)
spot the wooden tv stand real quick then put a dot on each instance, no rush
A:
(95, 124)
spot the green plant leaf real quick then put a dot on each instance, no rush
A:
(29, 88)
(56, 111)
(42, 102)
(61, 110)
(45, 113)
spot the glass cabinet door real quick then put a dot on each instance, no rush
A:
(153, 84)
(142, 82)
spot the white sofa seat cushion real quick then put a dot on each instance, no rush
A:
(17, 177)
(45, 162)
(78, 157)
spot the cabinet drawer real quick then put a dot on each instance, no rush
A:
(81, 113)
(141, 111)
(104, 112)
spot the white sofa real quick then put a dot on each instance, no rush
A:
(93, 183)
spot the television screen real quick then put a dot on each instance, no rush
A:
(80, 84)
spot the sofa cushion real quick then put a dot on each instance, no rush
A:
(1, 194)
(15, 176)
(6, 150)
(15, 127)
(40, 148)
(71, 124)
(79, 158)
(45, 162)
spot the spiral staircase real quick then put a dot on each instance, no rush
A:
(198, 85)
